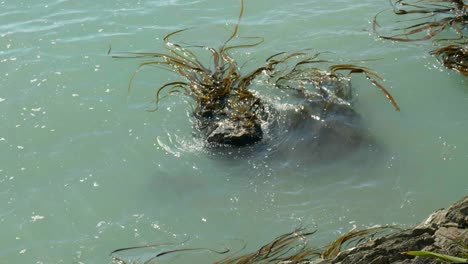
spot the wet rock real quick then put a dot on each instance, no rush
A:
(235, 132)
(322, 120)
(232, 121)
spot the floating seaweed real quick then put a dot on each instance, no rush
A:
(453, 56)
(432, 16)
(119, 260)
(290, 248)
(227, 112)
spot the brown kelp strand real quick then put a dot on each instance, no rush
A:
(454, 56)
(427, 19)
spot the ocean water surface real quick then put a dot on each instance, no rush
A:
(86, 169)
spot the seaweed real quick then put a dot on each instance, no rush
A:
(119, 260)
(338, 92)
(287, 248)
(462, 255)
(453, 56)
(355, 236)
(432, 16)
(292, 247)
(227, 112)
(220, 91)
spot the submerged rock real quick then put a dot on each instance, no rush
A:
(314, 118)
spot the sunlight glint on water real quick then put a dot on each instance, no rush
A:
(85, 169)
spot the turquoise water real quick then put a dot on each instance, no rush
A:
(85, 169)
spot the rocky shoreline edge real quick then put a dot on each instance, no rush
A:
(442, 232)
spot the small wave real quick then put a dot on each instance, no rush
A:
(172, 3)
(178, 145)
